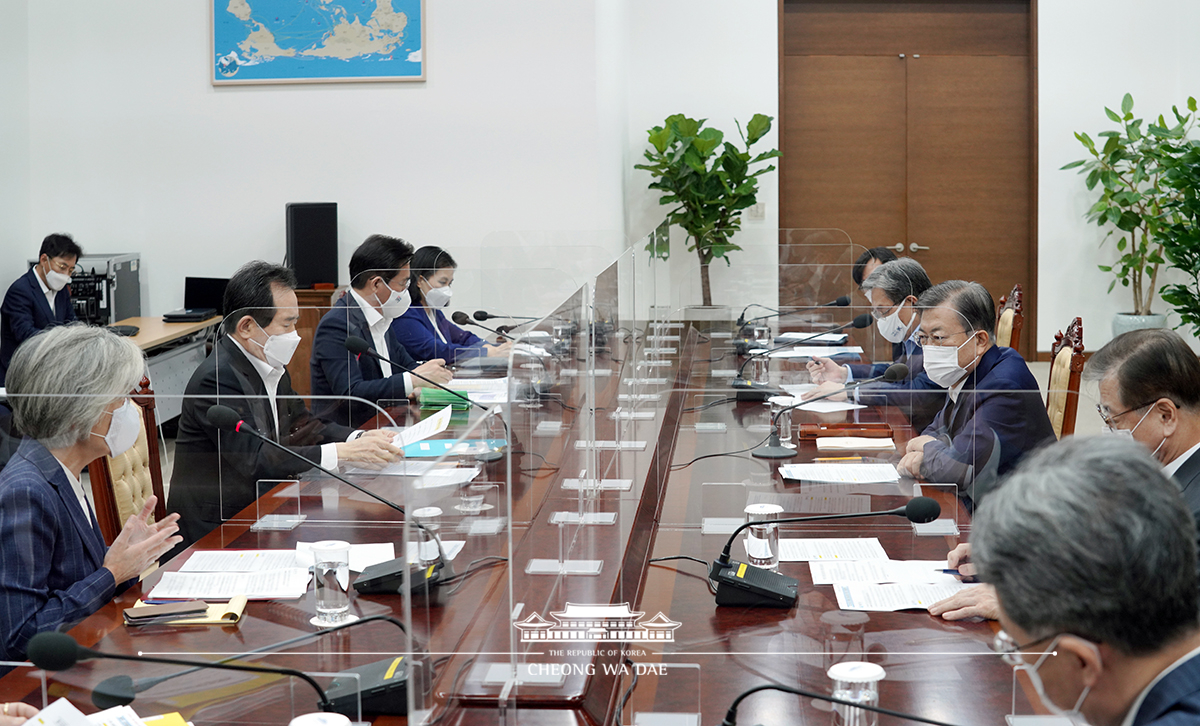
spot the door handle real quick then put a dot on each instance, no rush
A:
(899, 247)
(914, 247)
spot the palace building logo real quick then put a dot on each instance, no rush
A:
(592, 623)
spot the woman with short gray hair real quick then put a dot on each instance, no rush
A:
(69, 390)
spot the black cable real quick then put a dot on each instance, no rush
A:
(453, 689)
(471, 570)
(711, 586)
(553, 467)
(677, 467)
(628, 691)
(710, 404)
(731, 715)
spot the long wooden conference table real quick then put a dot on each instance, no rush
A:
(936, 669)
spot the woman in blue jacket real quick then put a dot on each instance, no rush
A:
(423, 329)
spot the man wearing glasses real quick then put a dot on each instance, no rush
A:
(1091, 552)
(993, 413)
(40, 298)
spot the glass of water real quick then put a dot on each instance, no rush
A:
(762, 537)
(331, 569)
(762, 336)
(857, 682)
(425, 521)
(783, 419)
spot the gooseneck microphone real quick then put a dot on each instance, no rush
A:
(358, 346)
(461, 318)
(840, 302)
(774, 449)
(750, 391)
(744, 585)
(731, 714)
(54, 651)
(482, 315)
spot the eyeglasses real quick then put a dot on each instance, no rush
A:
(62, 267)
(1110, 419)
(936, 340)
(1008, 650)
(881, 314)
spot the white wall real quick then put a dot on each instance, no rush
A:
(15, 238)
(133, 149)
(1089, 56)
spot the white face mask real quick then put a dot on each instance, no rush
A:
(1128, 433)
(891, 327)
(280, 348)
(438, 297)
(56, 280)
(1032, 671)
(123, 431)
(941, 363)
(396, 305)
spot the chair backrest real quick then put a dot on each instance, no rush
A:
(1010, 318)
(122, 484)
(1066, 369)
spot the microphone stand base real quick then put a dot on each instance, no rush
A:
(773, 452)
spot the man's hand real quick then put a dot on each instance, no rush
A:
(822, 389)
(910, 465)
(959, 559)
(15, 713)
(824, 369)
(372, 450)
(141, 543)
(386, 437)
(974, 602)
(498, 351)
(434, 370)
(918, 443)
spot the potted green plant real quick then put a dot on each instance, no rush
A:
(1180, 234)
(710, 182)
(1127, 169)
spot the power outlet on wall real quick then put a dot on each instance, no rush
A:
(756, 212)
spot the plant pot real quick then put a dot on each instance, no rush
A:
(1125, 322)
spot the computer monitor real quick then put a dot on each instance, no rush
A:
(204, 292)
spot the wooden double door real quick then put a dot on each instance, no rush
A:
(908, 125)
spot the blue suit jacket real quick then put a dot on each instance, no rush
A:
(415, 332)
(25, 312)
(918, 397)
(338, 372)
(998, 418)
(1175, 700)
(51, 555)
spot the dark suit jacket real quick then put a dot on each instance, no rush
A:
(1175, 700)
(25, 312)
(918, 397)
(1188, 478)
(216, 472)
(51, 555)
(998, 418)
(414, 330)
(338, 372)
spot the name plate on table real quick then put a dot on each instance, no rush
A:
(624, 445)
(646, 381)
(631, 415)
(639, 396)
(616, 485)
(589, 518)
(659, 351)
(663, 338)
(597, 372)
(654, 363)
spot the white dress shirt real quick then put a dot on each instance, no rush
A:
(270, 377)
(50, 294)
(432, 313)
(81, 494)
(379, 326)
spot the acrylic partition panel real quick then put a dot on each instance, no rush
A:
(530, 273)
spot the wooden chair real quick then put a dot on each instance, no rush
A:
(1066, 369)
(121, 485)
(1010, 319)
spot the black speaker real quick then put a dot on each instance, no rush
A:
(312, 242)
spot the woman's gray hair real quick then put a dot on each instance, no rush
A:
(60, 381)
(898, 279)
(1089, 537)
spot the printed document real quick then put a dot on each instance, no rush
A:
(841, 473)
(807, 550)
(288, 584)
(890, 598)
(880, 571)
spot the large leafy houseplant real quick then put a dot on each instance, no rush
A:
(1127, 168)
(710, 182)
(1181, 234)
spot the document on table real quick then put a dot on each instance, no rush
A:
(239, 560)
(827, 406)
(795, 389)
(852, 548)
(286, 584)
(428, 426)
(880, 571)
(855, 443)
(486, 391)
(401, 467)
(841, 473)
(445, 477)
(834, 503)
(451, 548)
(822, 339)
(893, 597)
(361, 556)
(816, 351)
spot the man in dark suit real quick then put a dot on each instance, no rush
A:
(379, 271)
(893, 289)
(40, 298)
(216, 472)
(1091, 552)
(993, 413)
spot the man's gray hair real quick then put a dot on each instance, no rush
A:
(1089, 537)
(60, 381)
(898, 279)
(969, 299)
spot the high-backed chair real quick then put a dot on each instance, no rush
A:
(1066, 368)
(1010, 319)
(122, 484)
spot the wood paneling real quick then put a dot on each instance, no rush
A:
(890, 28)
(843, 144)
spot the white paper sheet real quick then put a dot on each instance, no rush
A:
(361, 556)
(798, 388)
(893, 597)
(486, 391)
(850, 548)
(825, 338)
(286, 584)
(841, 473)
(428, 426)
(401, 467)
(239, 560)
(445, 477)
(880, 571)
(115, 716)
(854, 443)
(836, 503)
(61, 712)
(451, 548)
(827, 406)
(816, 351)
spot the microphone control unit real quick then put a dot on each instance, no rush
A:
(743, 585)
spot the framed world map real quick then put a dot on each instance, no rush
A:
(317, 41)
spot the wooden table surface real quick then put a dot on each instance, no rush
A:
(153, 332)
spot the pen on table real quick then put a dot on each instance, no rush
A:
(969, 579)
(838, 458)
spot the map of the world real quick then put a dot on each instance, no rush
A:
(280, 41)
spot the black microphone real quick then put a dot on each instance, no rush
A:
(461, 318)
(745, 585)
(358, 346)
(748, 391)
(482, 315)
(731, 714)
(55, 651)
(774, 449)
(225, 418)
(840, 302)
